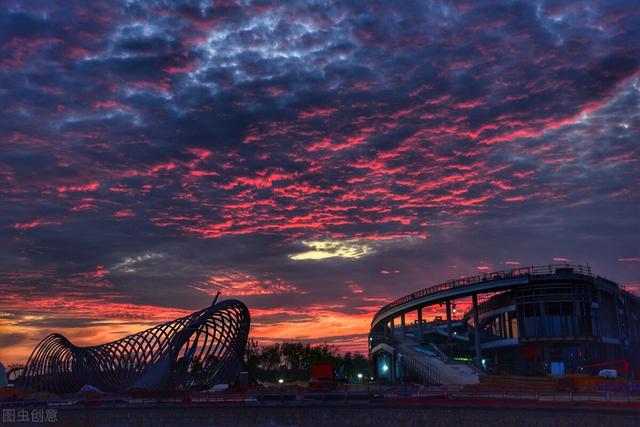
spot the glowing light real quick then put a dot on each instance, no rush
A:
(280, 381)
(132, 264)
(322, 249)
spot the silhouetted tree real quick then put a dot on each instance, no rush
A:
(252, 358)
(293, 360)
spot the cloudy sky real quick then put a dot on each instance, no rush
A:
(314, 160)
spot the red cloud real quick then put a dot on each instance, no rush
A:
(235, 283)
(354, 287)
(124, 213)
(34, 224)
(92, 186)
(317, 112)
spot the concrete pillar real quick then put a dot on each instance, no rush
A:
(393, 328)
(403, 326)
(505, 334)
(509, 323)
(392, 366)
(449, 331)
(476, 323)
(419, 324)
(372, 367)
(617, 304)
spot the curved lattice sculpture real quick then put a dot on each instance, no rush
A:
(196, 351)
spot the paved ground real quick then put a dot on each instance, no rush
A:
(329, 415)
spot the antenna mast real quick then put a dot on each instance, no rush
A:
(215, 299)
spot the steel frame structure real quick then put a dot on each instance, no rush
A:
(196, 351)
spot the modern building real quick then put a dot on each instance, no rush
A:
(554, 320)
(197, 351)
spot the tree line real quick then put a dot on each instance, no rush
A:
(292, 361)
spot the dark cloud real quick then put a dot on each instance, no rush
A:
(7, 340)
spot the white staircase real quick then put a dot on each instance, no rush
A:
(434, 367)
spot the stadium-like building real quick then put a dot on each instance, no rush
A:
(197, 351)
(550, 320)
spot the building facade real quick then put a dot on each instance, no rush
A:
(567, 323)
(549, 320)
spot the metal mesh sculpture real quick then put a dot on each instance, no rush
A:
(196, 351)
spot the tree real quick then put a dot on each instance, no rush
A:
(358, 364)
(293, 360)
(252, 358)
(293, 354)
(271, 359)
(323, 353)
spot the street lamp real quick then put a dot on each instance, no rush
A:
(359, 377)
(280, 381)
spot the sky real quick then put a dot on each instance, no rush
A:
(314, 159)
